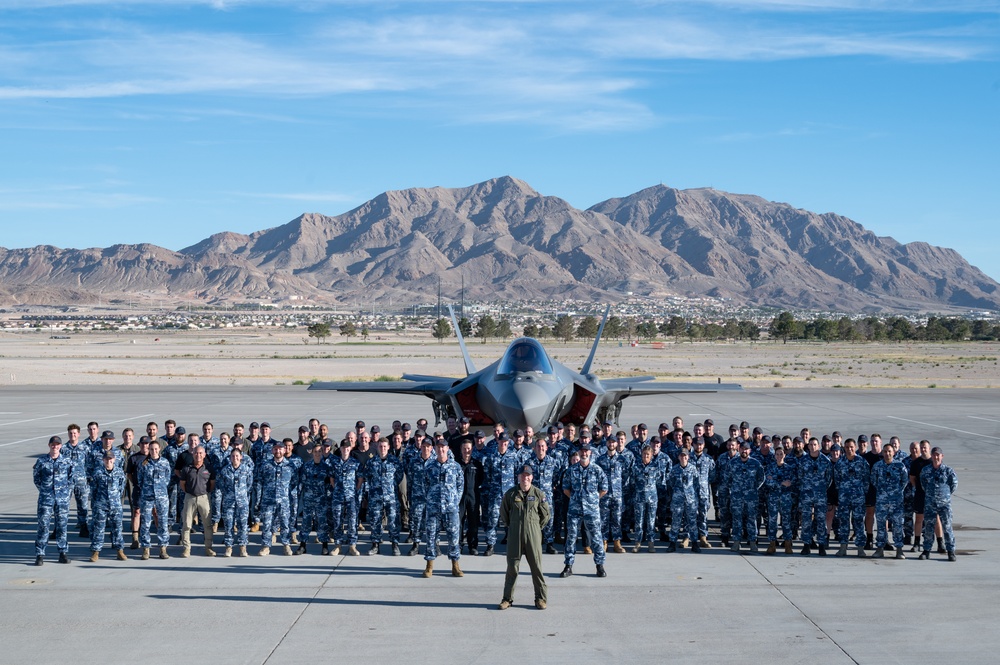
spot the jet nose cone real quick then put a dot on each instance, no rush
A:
(533, 401)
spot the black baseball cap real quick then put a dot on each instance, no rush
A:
(55, 440)
(254, 425)
(107, 434)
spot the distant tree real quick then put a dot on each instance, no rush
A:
(783, 326)
(320, 331)
(695, 331)
(364, 331)
(545, 332)
(441, 329)
(587, 328)
(629, 327)
(465, 326)
(749, 330)
(486, 327)
(731, 329)
(530, 330)
(503, 328)
(845, 329)
(564, 328)
(676, 326)
(614, 328)
(713, 331)
(348, 330)
(647, 330)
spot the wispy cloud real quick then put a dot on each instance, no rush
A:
(320, 197)
(70, 197)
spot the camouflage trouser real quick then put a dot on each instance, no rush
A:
(491, 512)
(813, 511)
(611, 517)
(848, 511)
(744, 511)
(344, 520)
(931, 514)
(215, 500)
(703, 503)
(779, 504)
(176, 504)
(644, 509)
(162, 506)
(796, 514)
(49, 510)
(314, 511)
(268, 514)
(684, 518)
(448, 520)
(663, 514)
(725, 506)
(106, 515)
(387, 506)
(548, 532)
(255, 493)
(893, 512)
(293, 511)
(908, 510)
(80, 491)
(592, 522)
(235, 513)
(418, 518)
(628, 511)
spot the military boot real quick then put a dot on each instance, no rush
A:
(671, 547)
(567, 571)
(605, 546)
(618, 549)
(550, 549)
(264, 551)
(145, 554)
(63, 558)
(504, 604)
(325, 550)
(287, 549)
(843, 550)
(821, 550)
(121, 555)
(651, 548)
(600, 571)
(301, 549)
(228, 552)
(455, 570)
(539, 604)
(861, 553)
(209, 551)
(353, 551)
(428, 569)
(924, 555)
(735, 546)
(916, 544)
(413, 550)
(84, 531)
(135, 541)
(772, 547)
(295, 538)
(94, 556)
(39, 560)
(489, 551)
(335, 551)
(788, 546)
(186, 552)
(163, 552)
(587, 550)
(395, 550)
(703, 541)
(635, 548)
(242, 551)
(879, 552)
(868, 541)
(687, 541)
(951, 555)
(940, 543)
(753, 547)
(806, 550)
(899, 553)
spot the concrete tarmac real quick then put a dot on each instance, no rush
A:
(715, 607)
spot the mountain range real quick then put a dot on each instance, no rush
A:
(510, 242)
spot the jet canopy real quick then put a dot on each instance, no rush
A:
(525, 355)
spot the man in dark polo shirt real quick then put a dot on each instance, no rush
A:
(197, 482)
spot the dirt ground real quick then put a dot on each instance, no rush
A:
(282, 358)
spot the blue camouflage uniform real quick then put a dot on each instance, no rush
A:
(611, 503)
(585, 485)
(723, 496)
(780, 497)
(154, 483)
(170, 452)
(79, 487)
(815, 476)
(499, 473)
(745, 479)
(315, 510)
(444, 484)
(382, 476)
(683, 501)
(664, 492)
(908, 494)
(344, 500)
(294, 492)
(53, 478)
(853, 480)
(939, 484)
(544, 478)
(416, 487)
(108, 487)
(705, 466)
(276, 479)
(236, 485)
(890, 481)
(216, 457)
(646, 480)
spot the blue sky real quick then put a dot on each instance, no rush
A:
(165, 121)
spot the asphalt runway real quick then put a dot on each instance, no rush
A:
(715, 607)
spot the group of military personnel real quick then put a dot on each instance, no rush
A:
(593, 482)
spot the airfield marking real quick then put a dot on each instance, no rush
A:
(18, 422)
(953, 429)
(992, 420)
(799, 609)
(45, 436)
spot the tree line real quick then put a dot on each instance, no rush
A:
(874, 329)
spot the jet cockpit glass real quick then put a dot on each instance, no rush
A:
(525, 355)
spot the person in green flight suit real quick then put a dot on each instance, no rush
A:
(525, 512)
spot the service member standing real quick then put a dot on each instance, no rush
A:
(444, 485)
(939, 482)
(526, 512)
(108, 487)
(52, 475)
(584, 485)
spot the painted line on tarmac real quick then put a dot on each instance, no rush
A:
(992, 420)
(29, 420)
(45, 436)
(953, 429)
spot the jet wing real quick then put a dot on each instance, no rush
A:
(643, 385)
(435, 387)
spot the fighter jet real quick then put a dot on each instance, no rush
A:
(525, 387)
